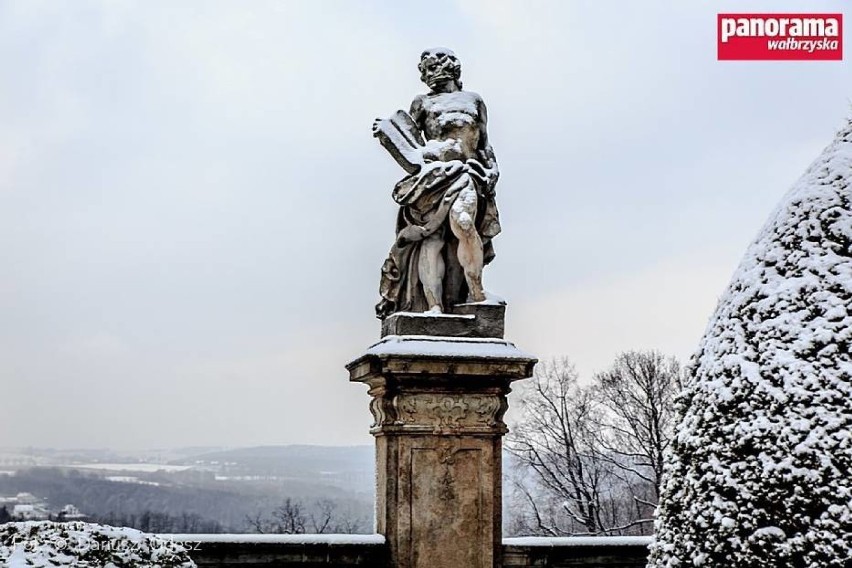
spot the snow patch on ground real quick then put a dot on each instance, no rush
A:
(45, 543)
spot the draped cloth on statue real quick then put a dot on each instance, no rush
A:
(425, 198)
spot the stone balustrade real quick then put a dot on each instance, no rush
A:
(232, 551)
(589, 552)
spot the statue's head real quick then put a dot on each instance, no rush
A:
(439, 64)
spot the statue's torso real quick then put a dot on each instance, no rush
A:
(454, 120)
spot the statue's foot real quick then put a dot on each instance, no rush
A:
(477, 296)
(475, 291)
(435, 310)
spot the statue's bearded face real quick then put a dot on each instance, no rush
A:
(438, 65)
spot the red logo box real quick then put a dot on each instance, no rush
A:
(780, 37)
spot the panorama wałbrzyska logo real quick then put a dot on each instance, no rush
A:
(785, 37)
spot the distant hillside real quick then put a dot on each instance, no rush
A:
(215, 485)
(100, 498)
(352, 466)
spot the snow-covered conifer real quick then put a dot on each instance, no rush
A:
(760, 471)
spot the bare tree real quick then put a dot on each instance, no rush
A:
(289, 518)
(257, 523)
(554, 439)
(637, 393)
(324, 516)
(594, 453)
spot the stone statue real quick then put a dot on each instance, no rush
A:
(447, 214)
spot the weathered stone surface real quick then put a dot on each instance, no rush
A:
(490, 316)
(438, 407)
(439, 499)
(412, 323)
(467, 320)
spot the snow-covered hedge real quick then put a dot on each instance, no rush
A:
(44, 543)
(760, 473)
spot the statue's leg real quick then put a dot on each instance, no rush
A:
(462, 215)
(431, 271)
(455, 286)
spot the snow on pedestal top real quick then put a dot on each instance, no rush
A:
(432, 346)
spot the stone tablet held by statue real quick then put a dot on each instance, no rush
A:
(447, 210)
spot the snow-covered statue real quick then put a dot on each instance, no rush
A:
(447, 214)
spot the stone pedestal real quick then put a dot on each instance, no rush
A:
(438, 404)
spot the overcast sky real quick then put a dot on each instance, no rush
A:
(193, 212)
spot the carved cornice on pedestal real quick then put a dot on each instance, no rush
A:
(437, 413)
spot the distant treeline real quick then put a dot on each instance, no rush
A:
(157, 522)
(147, 521)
